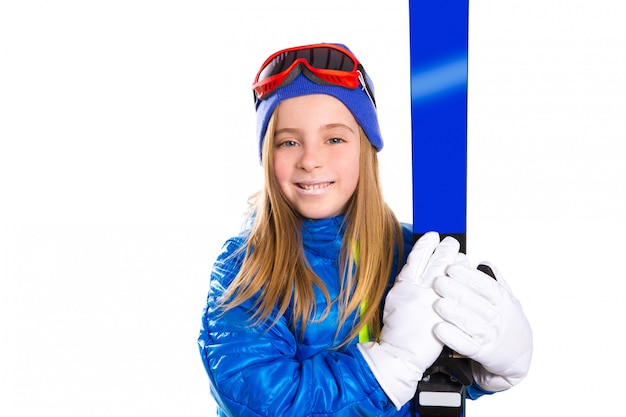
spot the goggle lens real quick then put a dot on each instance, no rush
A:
(331, 64)
(323, 58)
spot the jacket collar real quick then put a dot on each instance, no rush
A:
(323, 230)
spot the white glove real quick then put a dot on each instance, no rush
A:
(408, 345)
(485, 322)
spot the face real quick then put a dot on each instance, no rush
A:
(316, 154)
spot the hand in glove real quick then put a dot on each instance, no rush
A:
(485, 322)
(407, 344)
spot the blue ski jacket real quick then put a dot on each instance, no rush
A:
(265, 370)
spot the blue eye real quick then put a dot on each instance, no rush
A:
(288, 143)
(335, 140)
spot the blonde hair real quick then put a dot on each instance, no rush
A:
(275, 269)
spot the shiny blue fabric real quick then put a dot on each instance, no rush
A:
(265, 370)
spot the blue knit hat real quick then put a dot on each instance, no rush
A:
(356, 100)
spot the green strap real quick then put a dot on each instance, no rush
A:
(364, 334)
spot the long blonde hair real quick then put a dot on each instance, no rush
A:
(275, 265)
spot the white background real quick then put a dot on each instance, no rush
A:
(127, 155)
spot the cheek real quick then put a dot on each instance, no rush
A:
(282, 173)
(353, 180)
(351, 174)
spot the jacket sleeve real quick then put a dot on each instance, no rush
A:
(475, 391)
(254, 370)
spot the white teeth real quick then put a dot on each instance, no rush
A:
(313, 186)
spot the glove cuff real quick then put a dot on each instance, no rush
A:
(492, 382)
(394, 370)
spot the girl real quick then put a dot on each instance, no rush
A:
(321, 306)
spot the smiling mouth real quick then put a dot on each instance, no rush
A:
(314, 187)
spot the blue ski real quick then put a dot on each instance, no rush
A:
(438, 31)
(438, 48)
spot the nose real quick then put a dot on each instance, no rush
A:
(310, 158)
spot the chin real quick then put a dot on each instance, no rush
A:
(310, 215)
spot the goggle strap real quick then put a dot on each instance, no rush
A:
(364, 85)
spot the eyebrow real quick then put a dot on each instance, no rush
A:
(286, 130)
(325, 127)
(339, 125)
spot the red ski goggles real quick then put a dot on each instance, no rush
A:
(326, 64)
